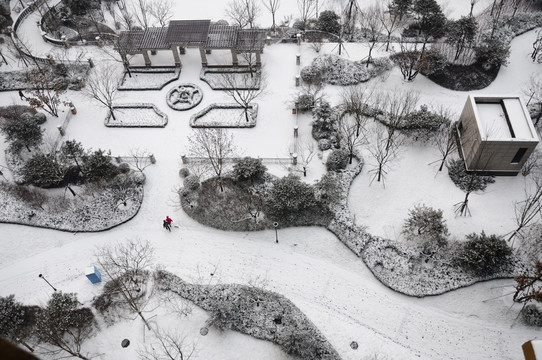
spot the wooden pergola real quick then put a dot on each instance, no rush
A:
(182, 34)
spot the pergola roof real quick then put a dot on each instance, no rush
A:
(221, 37)
(155, 38)
(130, 41)
(250, 40)
(187, 31)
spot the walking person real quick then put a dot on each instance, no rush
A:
(21, 95)
(166, 225)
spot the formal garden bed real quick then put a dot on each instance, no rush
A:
(136, 115)
(229, 78)
(149, 79)
(256, 312)
(225, 116)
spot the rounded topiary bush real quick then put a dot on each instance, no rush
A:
(337, 160)
(191, 182)
(184, 172)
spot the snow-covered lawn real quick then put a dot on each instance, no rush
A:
(309, 266)
(148, 79)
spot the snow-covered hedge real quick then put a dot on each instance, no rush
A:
(256, 312)
(335, 70)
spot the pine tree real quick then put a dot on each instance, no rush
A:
(65, 326)
(12, 321)
(21, 132)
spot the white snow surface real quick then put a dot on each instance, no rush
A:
(309, 265)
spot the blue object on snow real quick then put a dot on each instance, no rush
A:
(93, 275)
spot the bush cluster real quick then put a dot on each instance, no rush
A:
(465, 181)
(485, 255)
(191, 182)
(325, 125)
(422, 125)
(532, 315)
(249, 169)
(426, 226)
(337, 160)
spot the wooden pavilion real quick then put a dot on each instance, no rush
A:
(182, 34)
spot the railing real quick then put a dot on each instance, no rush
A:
(198, 160)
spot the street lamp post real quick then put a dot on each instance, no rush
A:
(43, 277)
(276, 225)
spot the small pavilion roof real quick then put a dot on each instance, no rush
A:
(191, 32)
(221, 37)
(250, 40)
(155, 38)
(130, 41)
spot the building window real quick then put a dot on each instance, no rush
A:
(519, 155)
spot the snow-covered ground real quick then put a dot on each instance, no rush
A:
(309, 265)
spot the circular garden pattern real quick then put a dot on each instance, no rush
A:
(184, 97)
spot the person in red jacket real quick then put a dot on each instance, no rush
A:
(168, 219)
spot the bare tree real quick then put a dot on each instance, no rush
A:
(46, 89)
(102, 86)
(167, 345)
(126, 17)
(126, 266)
(161, 10)
(215, 145)
(350, 137)
(383, 153)
(537, 47)
(141, 159)
(528, 212)
(396, 105)
(243, 12)
(356, 100)
(391, 21)
(306, 10)
(243, 88)
(141, 11)
(445, 138)
(306, 151)
(371, 26)
(533, 90)
(528, 285)
(272, 6)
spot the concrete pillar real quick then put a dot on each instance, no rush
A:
(176, 55)
(234, 59)
(297, 80)
(147, 58)
(183, 158)
(298, 39)
(294, 159)
(91, 63)
(296, 131)
(298, 59)
(203, 56)
(152, 158)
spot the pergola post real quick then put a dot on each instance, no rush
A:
(203, 56)
(124, 59)
(176, 55)
(258, 59)
(147, 58)
(234, 60)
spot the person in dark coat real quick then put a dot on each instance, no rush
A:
(166, 225)
(21, 95)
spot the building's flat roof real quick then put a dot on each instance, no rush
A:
(502, 118)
